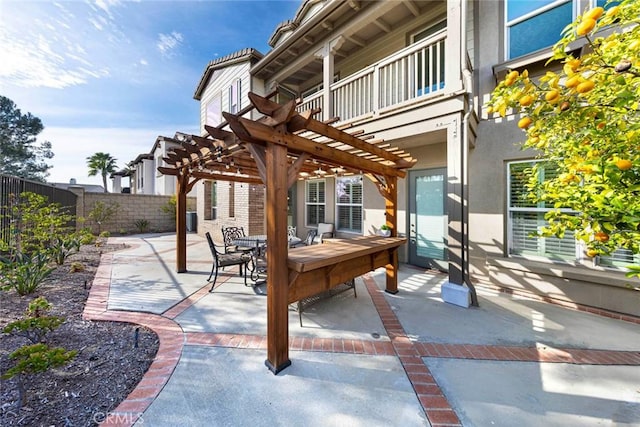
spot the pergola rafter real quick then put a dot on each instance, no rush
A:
(276, 150)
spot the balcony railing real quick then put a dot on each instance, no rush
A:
(414, 72)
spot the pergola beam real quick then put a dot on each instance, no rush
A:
(297, 122)
(299, 144)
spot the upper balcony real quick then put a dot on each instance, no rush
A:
(415, 73)
(359, 61)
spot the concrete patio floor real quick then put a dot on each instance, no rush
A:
(375, 360)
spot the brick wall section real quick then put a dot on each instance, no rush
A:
(248, 208)
(131, 207)
(255, 202)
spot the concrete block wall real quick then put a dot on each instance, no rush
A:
(131, 207)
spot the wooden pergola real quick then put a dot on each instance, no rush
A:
(276, 150)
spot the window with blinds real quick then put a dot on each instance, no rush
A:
(210, 200)
(315, 202)
(214, 200)
(619, 258)
(526, 217)
(349, 203)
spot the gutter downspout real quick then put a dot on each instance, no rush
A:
(467, 83)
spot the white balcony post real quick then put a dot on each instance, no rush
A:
(327, 78)
(327, 53)
(453, 58)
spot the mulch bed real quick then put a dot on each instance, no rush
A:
(112, 357)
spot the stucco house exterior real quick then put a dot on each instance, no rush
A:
(143, 174)
(224, 86)
(417, 74)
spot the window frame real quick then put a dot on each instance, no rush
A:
(351, 205)
(508, 23)
(232, 199)
(211, 114)
(235, 96)
(512, 210)
(213, 206)
(318, 204)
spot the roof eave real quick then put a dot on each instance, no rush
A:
(242, 55)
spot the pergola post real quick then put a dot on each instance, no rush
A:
(391, 212)
(277, 250)
(181, 223)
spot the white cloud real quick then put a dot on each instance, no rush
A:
(38, 50)
(106, 5)
(167, 43)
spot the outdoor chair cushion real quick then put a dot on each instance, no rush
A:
(324, 230)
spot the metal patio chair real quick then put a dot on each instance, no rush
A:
(229, 235)
(221, 259)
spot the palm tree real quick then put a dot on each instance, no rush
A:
(103, 164)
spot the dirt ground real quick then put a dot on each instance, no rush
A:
(111, 360)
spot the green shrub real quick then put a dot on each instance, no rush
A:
(23, 272)
(86, 237)
(37, 324)
(34, 223)
(36, 357)
(76, 267)
(170, 207)
(62, 247)
(142, 225)
(102, 212)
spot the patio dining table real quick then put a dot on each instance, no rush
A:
(256, 243)
(258, 240)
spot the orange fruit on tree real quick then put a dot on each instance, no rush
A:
(526, 100)
(511, 78)
(568, 178)
(573, 81)
(571, 66)
(594, 13)
(524, 122)
(601, 236)
(624, 164)
(585, 26)
(614, 10)
(552, 96)
(574, 63)
(585, 86)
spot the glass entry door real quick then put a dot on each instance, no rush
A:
(428, 218)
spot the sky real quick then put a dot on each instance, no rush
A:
(111, 76)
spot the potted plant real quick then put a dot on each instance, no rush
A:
(385, 230)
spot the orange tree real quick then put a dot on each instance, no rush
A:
(584, 119)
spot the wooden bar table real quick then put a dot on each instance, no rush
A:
(317, 268)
